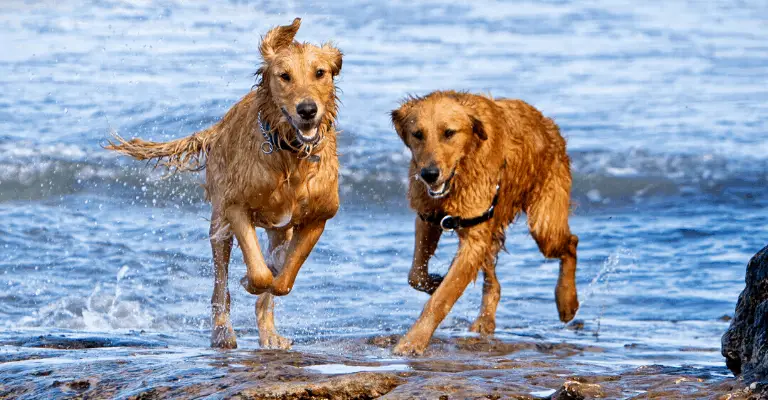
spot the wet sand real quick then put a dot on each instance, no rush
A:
(142, 366)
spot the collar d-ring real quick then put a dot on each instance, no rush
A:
(448, 223)
(267, 147)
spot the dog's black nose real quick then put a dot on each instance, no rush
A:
(307, 109)
(430, 174)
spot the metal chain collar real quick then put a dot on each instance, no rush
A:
(269, 145)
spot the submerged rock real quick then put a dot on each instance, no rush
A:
(745, 343)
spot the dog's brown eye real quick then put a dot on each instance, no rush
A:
(320, 73)
(449, 133)
(285, 76)
(418, 135)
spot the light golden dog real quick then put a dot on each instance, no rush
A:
(270, 162)
(476, 164)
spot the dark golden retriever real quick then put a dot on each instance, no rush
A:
(476, 164)
(270, 162)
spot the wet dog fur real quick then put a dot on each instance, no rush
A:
(288, 194)
(462, 146)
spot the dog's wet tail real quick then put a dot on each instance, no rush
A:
(185, 154)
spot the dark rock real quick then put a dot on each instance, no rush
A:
(79, 343)
(573, 390)
(745, 343)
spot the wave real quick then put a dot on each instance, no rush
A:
(600, 177)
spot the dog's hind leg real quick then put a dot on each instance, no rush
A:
(265, 315)
(485, 324)
(427, 238)
(548, 223)
(222, 333)
(265, 305)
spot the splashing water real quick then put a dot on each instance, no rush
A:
(101, 311)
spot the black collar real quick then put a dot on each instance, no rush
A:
(279, 142)
(449, 223)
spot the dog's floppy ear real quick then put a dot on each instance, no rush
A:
(279, 38)
(335, 55)
(478, 128)
(398, 118)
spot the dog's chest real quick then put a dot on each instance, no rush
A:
(287, 198)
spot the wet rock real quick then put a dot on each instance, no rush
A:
(461, 368)
(362, 385)
(78, 385)
(573, 390)
(745, 343)
(471, 385)
(79, 343)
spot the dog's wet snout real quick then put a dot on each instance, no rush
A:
(307, 109)
(430, 174)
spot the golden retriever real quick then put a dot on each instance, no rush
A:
(271, 162)
(476, 164)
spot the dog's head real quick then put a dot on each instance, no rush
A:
(440, 129)
(300, 79)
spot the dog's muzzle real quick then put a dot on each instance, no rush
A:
(441, 190)
(306, 130)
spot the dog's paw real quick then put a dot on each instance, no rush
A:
(428, 284)
(567, 302)
(256, 288)
(275, 342)
(408, 348)
(483, 326)
(223, 337)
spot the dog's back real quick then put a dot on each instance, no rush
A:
(532, 125)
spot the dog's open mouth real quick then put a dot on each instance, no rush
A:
(439, 190)
(306, 131)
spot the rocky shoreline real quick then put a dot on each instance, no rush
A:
(62, 366)
(745, 343)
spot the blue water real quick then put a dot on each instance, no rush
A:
(664, 105)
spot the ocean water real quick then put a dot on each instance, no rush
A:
(664, 106)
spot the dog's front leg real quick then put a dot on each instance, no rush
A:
(475, 248)
(427, 238)
(258, 277)
(304, 239)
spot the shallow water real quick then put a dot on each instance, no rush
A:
(665, 108)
